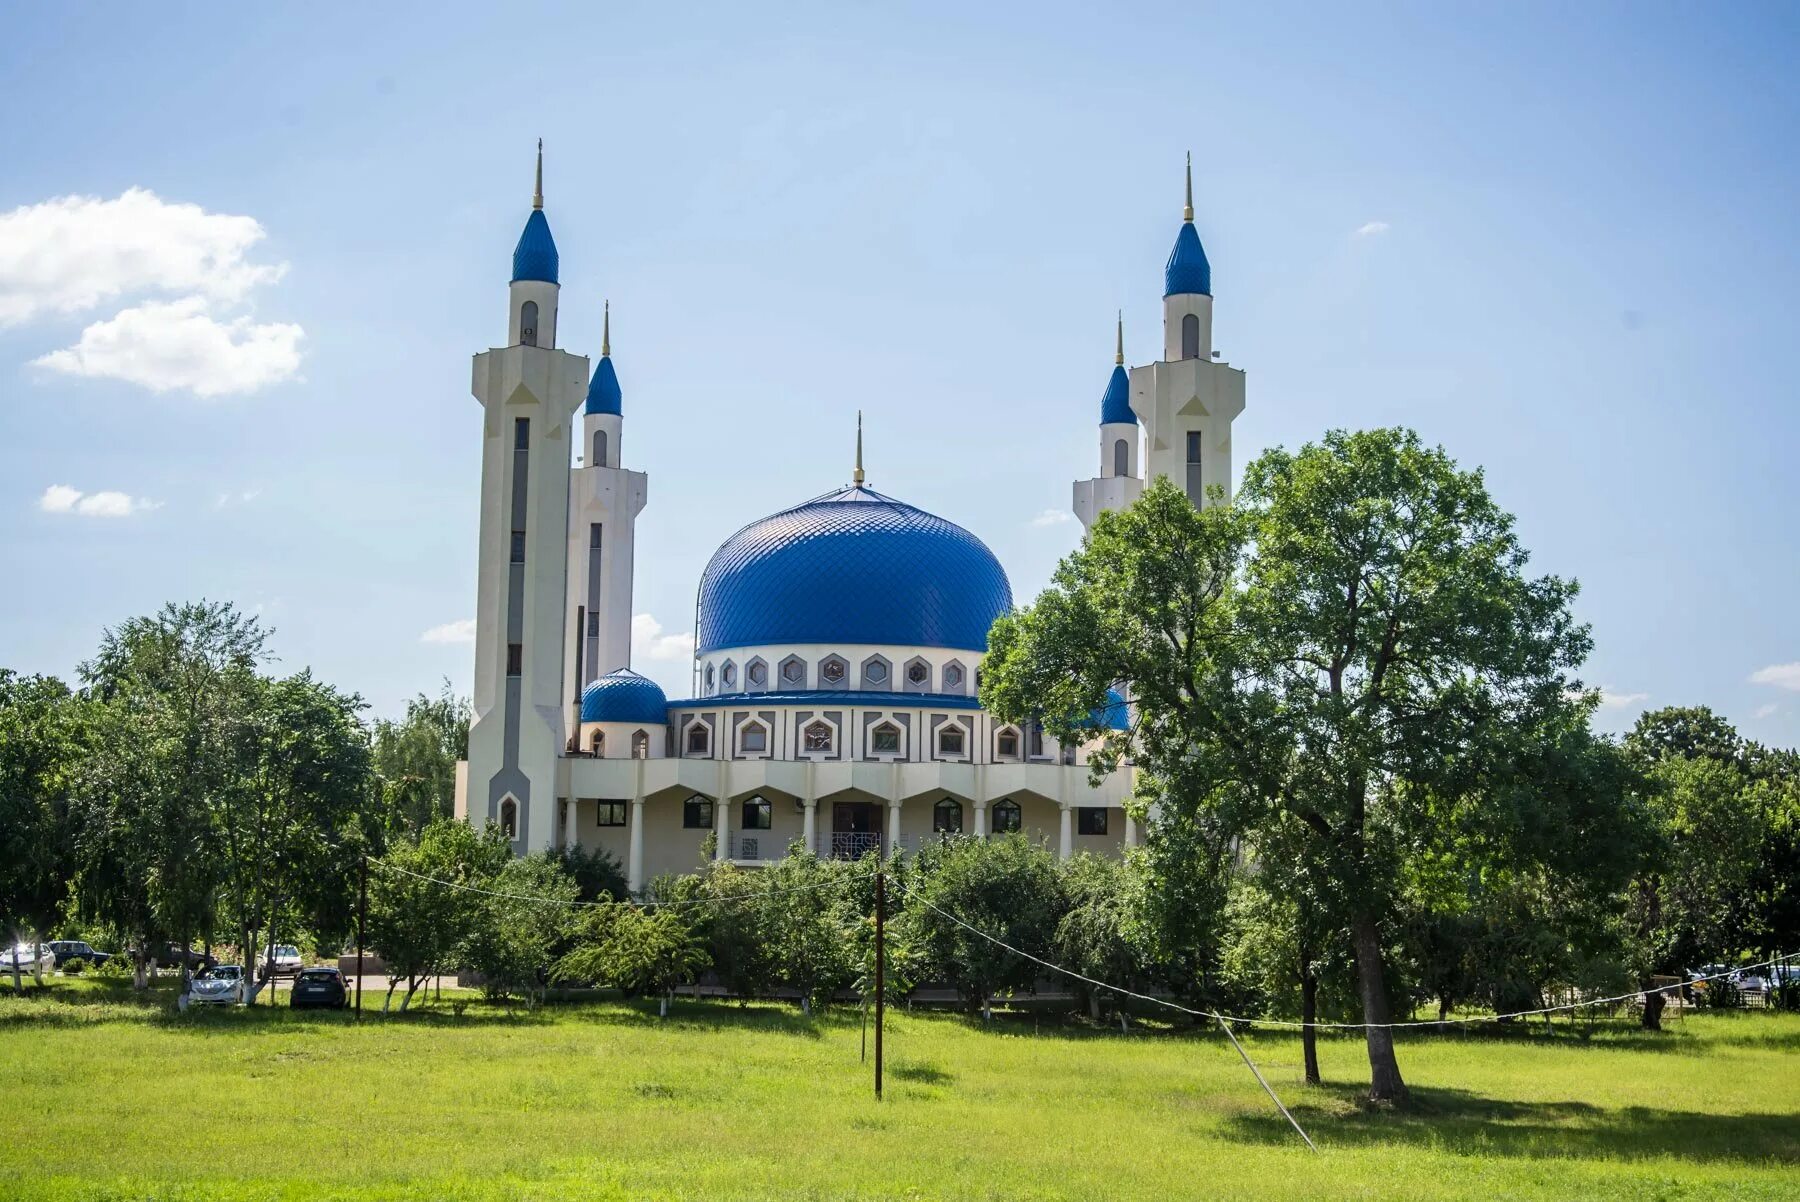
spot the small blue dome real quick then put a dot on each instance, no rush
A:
(1188, 271)
(624, 696)
(603, 393)
(1115, 405)
(852, 566)
(534, 258)
(1115, 716)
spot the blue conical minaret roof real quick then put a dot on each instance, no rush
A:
(1188, 271)
(603, 394)
(1115, 403)
(534, 258)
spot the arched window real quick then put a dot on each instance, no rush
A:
(597, 742)
(509, 818)
(817, 737)
(1121, 458)
(1190, 337)
(885, 739)
(1006, 744)
(950, 740)
(946, 817)
(759, 815)
(698, 737)
(1007, 817)
(528, 324)
(640, 745)
(599, 459)
(753, 738)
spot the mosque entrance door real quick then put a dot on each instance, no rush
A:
(855, 829)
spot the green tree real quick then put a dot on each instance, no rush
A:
(415, 760)
(521, 925)
(809, 922)
(42, 740)
(424, 900)
(1098, 933)
(634, 949)
(1358, 673)
(1005, 888)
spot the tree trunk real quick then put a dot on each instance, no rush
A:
(1653, 1008)
(1309, 1035)
(138, 978)
(1385, 1083)
(18, 985)
(1094, 1004)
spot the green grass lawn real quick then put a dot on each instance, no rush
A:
(109, 1096)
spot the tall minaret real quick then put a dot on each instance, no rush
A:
(1187, 401)
(1118, 483)
(528, 391)
(603, 508)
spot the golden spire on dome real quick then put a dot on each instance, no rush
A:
(1187, 212)
(606, 332)
(856, 477)
(537, 194)
(1119, 353)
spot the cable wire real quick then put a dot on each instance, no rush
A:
(647, 905)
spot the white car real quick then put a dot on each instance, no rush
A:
(221, 986)
(34, 959)
(286, 957)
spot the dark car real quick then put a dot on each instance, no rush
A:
(319, 988)
(66, 950)
(170, 955)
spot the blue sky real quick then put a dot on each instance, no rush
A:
(1561, 243)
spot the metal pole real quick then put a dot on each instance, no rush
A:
(880, 970)
(362, 928)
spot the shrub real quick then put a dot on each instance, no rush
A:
(1721, 994)
(1007, 889)
(114, 969)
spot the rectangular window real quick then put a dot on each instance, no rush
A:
(1196, 488)
(594, 536)
(521, 433)
(697, 814)
(1090, 820)
(518, 546)
(1037, 741)
(611, 813)
(593, 625)
(759, 815)
(515, 659)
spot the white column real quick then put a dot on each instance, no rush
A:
(893, 827)
(810, 831)
(634, 864)
(722, 828)
(569, 823)
(1131, 831)
(981, 820)
(1068, 830)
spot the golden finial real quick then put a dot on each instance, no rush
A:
(537, 195)
(606, 332)
(1119, 354)
(1187, 212)
(856, 477)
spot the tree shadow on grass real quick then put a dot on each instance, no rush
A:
(1459, 1121)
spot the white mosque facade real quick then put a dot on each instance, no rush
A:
(838, 644)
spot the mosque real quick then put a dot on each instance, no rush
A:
(838, 643)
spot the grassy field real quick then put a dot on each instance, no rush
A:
(109, 1097)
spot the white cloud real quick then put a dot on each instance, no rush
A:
(72, 253)
(60, 498)
(461, 631)
(227, 499)
(1053, 517)
(1765, 711)
(1612, 699)
(1372, 228)
(166, 345)
(1782, 676)
(648, 642)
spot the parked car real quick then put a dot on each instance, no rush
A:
(79, 951)
(1751, 981)
(222, 985)
(171, 955)
(33, 958)
(319, 987)
(286, 957)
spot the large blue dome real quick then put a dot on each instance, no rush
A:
(624, 696)
(852, 566)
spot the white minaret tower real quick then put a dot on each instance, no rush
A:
(1187, 401)
(1119, 482)
(603, 507)
(529, 392)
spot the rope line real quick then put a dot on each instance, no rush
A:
(562, 901)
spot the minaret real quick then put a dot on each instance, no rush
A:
(603, 506)
(1118, 483)
(529, 392)
(1187, 401)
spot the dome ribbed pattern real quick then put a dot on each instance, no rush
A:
(852, 566)
(1115, 405)
(603, 393)
(1115, 716)
(1188, 271)
(624, 696)
(534, 258)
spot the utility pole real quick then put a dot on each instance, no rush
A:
(362, 928)
(880, 969)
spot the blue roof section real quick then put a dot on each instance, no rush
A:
(814, 698)
(852, 566)
(1115, 405)
(624, 696)
(1188, 271)
(1115, 716)
(534, 258)
(603, 393)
